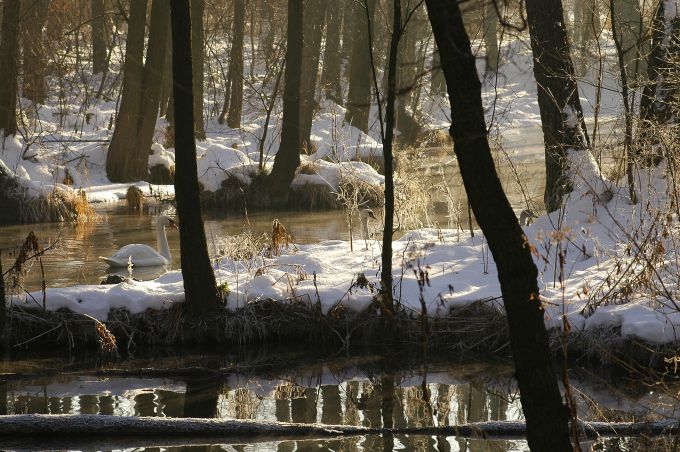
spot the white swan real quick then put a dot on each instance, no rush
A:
(144, 255)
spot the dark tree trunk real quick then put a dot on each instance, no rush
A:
(33, 17)
(332, 63)
(314, 13)
(200, 289)
(558, 101)
(201, 397)
(133, 135)
(99, 61)
(9, 56)
(359, 96)
(661, 94)
(546, 415)
(348, 15)
(119, 160)
(236, 66)
(197, 51)
(288, 158)
(387, 300)
(268, 30)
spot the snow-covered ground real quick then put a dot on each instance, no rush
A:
(619, 268)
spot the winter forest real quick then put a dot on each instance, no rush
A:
(446, 225)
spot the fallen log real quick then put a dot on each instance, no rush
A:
(73, 427)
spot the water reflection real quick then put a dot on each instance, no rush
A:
(334, 393)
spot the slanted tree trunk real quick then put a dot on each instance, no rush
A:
(288, 158)
(661, 94)
(200, 289)
(314, 13)
(359, 96)
(197, 51)
(491, 57)
(34, 15)
(128, 155)
(546, 415)
(236, 66)
(99, 61)
(9, 56)
(558, 101)
(332, 63)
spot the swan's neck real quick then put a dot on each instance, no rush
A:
(163, 248)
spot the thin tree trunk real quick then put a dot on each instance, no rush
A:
(387, 299)
(200, 289)
(9, 55)
(236, 66)
(660, 96)
(359, 96)
(99, 62)
(197, 51)
(558, 101)
(288, 158)
(491, 35)
(314, 13)
(34, 16)
(546, 415)
(332, 63)
(630, 32)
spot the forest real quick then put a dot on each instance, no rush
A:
(351, 225)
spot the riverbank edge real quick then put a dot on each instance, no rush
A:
(479, 327)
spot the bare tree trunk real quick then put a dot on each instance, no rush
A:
(386, 296)
(9, 55)
(119, 164)
(34, 16)
(197, 50)
(558, 101)
(99, 62)
(315, 11)
(628, 17)
(491, 35)
(546, 415)
(359, 96)
(236, 66)
(332, 63)
(288, 158)
(437, 81)
(200, 289)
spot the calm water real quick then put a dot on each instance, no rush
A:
(77, 247)
(366, 391)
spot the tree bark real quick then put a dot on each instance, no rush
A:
(546, 415)
(359, 96)
(119, 161)
(200, 288)
(314, 13)
(236, 66)
(561, 114)
(34, 16)
(628, 17)
(387, 299)
(491, 56)
(198, 53)
(9, 55)
(99, 63)
(332, 63)
(288, 158)
(661, 94)
(128, 155)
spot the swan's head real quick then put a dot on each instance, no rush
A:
(165, 220)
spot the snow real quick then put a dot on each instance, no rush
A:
(603, 238)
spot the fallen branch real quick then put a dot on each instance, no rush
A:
(64, 427)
